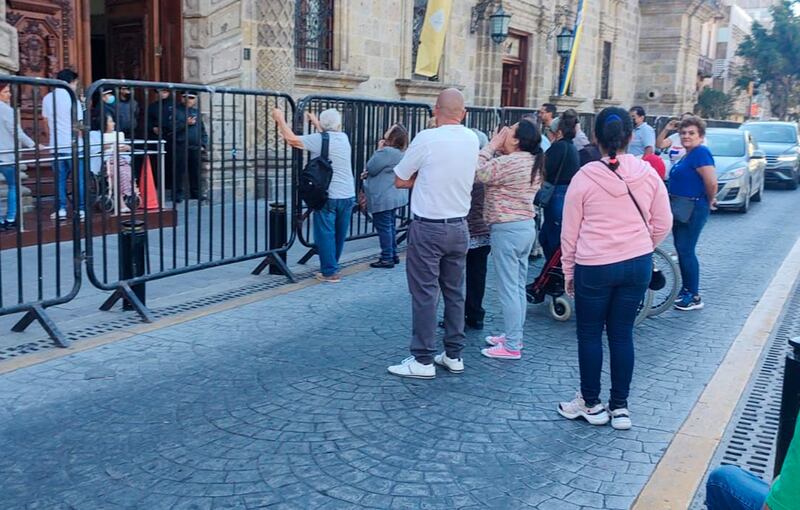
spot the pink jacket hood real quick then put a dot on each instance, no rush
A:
(602, 225)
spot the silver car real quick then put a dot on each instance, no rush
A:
(740, 167)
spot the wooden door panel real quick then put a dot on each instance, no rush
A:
(126, 49)
(48, 43)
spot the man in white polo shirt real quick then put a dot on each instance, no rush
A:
(440, 166)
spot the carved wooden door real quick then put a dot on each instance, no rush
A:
(49, 42)
(128, 38)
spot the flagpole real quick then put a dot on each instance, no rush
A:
(569, 68)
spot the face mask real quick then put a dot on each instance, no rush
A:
(111, 100)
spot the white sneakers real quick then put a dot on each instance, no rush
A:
(412, 368)
(620, 418)
(455, 366)
(576, 408)
(596, 415)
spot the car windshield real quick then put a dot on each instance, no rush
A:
(725, 144)
(772, 133)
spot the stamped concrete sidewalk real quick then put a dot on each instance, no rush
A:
(286, 403)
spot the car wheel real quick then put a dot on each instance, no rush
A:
(793, 183)
(746, 205)
(760, 193)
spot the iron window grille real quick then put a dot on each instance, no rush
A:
(605, 76)
(314, 34)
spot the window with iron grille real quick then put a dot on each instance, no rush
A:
(313, 29)
(420, 6)
(605, 76)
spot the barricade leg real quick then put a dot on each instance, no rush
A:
(126, 293)
(37, 313)
(275, 261)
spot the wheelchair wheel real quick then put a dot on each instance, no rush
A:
(560, 308)
(663, 299)
(106, 203)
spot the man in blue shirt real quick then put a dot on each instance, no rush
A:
(644, 136)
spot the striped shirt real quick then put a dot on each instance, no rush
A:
(509, 190)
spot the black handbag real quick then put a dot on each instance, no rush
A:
(682, 208)
(545, 193)
(657, 279)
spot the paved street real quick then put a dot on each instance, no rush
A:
(285, 403)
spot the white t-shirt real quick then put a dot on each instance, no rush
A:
(444, 160)
(59, 118)
(339, 152)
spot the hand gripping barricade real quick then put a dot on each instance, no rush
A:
(214, 181)
(364, 121)
(40, 257)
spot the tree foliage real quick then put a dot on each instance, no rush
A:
(772, 58)
(714, 104)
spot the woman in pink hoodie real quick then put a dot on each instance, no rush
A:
(617, 211)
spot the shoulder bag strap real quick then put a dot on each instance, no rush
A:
(630, 194)
(560, 167)
(325, 141)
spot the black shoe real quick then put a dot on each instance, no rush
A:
(10, 225)
(396, 259)
(385, 264)
(478, 325)
(441, 324)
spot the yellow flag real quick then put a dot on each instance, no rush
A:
(431, 40)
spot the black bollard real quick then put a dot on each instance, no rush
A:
(277, 231)
(790, 404)
(132, 246)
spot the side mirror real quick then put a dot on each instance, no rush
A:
(758, 154)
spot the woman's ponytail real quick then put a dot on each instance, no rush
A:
(613, 129)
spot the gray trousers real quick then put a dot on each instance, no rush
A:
(436, 261)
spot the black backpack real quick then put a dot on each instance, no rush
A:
(316, 178)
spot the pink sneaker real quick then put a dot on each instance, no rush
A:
(500, 352)
(497, 340)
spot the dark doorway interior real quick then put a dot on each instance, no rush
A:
(136, 40)
(515, 61)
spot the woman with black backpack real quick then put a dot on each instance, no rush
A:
(333, 206)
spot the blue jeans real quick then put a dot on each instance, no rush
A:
(733, 488)
(686, 236)
(331, 225)
(511, 246)
(550, 236)
(10, 174)
(607, 297)
(386, 225)
(64, 170)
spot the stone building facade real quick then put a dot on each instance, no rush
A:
(621, 59)
(632, 51)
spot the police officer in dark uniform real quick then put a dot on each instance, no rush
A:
(159, 126)
(190, 140)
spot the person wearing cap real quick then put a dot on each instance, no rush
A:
(189, 139)
(104, 108)
(158, 126)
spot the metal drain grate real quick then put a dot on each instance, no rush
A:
(751, 441)
(132, 319)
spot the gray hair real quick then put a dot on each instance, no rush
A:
(330, 120)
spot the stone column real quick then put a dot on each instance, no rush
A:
(668, 57)
(9, 44)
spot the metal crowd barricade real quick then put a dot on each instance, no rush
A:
(196, 178)
(364, 121)
(510, 115)
(483, 118)
(40, 256)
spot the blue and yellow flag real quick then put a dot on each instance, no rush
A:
(431, 39)
(570, 67)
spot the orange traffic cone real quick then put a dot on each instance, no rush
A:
(147, 185)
